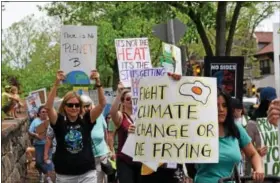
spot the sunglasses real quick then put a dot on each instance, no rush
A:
(71, 105)
(128, 99)
(86, 106)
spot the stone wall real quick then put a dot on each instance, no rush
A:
(14, 143)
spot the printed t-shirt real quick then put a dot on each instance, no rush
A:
(73, 154)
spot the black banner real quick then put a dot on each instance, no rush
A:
(229, 72)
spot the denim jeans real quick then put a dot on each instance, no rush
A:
(41, 166)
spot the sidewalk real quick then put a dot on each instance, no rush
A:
(33, 175)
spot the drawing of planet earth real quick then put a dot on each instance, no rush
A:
(77, 77)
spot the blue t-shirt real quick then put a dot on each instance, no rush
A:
(35, 123)
(229, 155)
(99, 145)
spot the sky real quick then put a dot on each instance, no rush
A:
(15, 11)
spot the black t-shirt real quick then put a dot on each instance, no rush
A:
(73, 154)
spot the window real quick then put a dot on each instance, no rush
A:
(265, 66)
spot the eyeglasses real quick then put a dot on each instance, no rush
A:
(128, 99)
(43, 112)
(86, 106)
(71, 105)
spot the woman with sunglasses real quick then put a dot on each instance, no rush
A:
(127, 170)
(99, 137)
(73, 159)
(39, 143)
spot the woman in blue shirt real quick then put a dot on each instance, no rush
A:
(232, 138)
(39, 143)
(99, 138)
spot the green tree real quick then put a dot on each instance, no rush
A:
(27, 56)
(226, 22)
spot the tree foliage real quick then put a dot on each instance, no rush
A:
(213, 28)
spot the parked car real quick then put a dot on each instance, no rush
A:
(250, 104)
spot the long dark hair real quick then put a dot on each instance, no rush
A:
(229, 124)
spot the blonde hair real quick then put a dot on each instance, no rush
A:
(68, 96)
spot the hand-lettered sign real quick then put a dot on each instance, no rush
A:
(171, 59)
(138, 74)
(176, 120)
(42, 95)
(78, 53)
(33, 103)
(132, 53)
(269, 136)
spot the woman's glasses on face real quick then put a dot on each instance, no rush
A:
(128, 99)
(86, 106)
(71, 105)
(44, 112)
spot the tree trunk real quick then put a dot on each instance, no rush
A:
(233, 27)
(199, 26)
(116, 77)
(221, 28)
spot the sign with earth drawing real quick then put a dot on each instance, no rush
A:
(78, 53)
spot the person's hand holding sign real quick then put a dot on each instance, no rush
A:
(131, 128)
(120, 87)
(94, 75)
(174, 76)
(273, 113)
(60, 76)
(262, 151)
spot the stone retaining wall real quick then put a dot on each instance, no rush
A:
(14, 141)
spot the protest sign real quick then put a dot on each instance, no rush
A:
(42, 95)
(276, 46)
(269, 136)
(33, 103)
(176, 120)
(171, 59)
(78, 53)
(229, 72)
(136, 75)
(80, 90)
(132, 53)
(109, 93)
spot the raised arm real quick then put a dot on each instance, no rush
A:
(115, 113)
(97, 110)
(48, 145)
(256, 161)
(49, 104)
